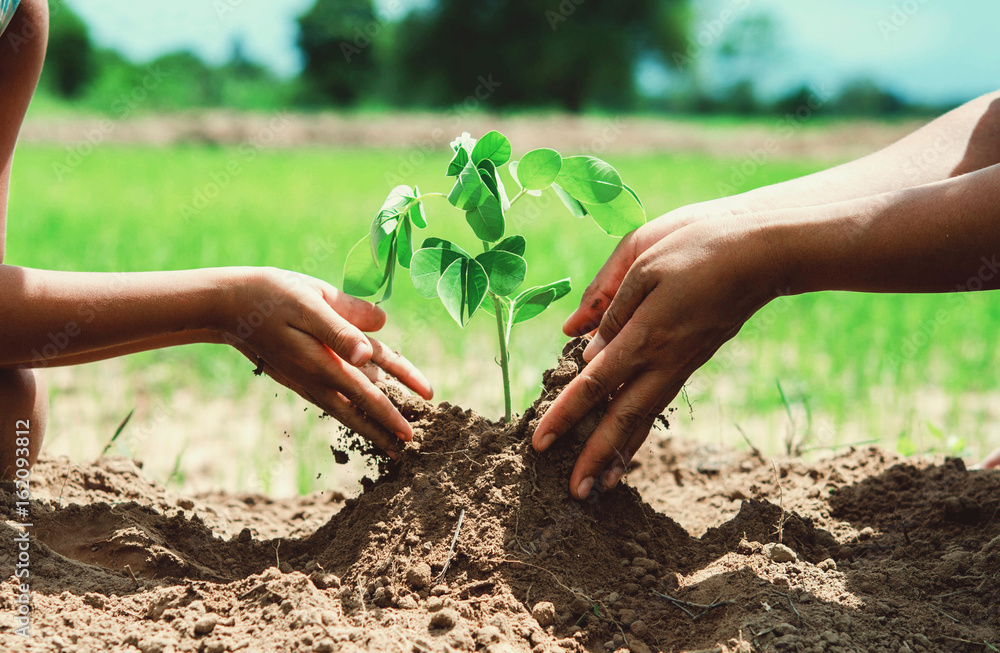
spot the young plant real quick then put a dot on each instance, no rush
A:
(489, 281)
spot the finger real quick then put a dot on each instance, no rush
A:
(338, 406)
(598, 295)
(594, 385)
(362, 314)
(625, 421)
(620, 465)
(345, 339)
(629, 297)
(398, 366)
(991, 461)
(363, 395)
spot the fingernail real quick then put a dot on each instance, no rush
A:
(363, 349)
(595, 347)
(585, 486)
(613, 476)
(545, 441)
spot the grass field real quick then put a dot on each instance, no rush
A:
(851, 367)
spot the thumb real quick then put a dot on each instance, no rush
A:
(599, 294)
(630, 295)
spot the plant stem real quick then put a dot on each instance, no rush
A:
(504, 357)
(518, 196)
(502, 335)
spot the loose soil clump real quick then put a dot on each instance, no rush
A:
(472, 542)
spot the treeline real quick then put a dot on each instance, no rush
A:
(564, 55)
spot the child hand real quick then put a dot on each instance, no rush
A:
(307, 336)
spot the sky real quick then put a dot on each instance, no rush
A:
(927, 50)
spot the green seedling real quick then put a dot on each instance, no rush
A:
(490, 281)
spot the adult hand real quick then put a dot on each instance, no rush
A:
(671, 294)
(307, 335)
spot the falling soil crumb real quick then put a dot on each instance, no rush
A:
(877, 553)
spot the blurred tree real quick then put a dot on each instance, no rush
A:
(569, 54)
(336, 38)
(864, 97)
(69, 61)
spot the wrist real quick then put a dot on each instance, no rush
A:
(812, 249)
(232, 295)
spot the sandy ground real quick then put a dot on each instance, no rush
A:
(472, 543)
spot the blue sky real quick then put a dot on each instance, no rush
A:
(929, 50)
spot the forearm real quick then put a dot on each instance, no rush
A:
(940, 237)
(77, 316)
(964, 140)
(158, 342)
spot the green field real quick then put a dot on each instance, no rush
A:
(855, 367)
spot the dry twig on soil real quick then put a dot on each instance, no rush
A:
(451, 550)
(781, 502)
(684, 605)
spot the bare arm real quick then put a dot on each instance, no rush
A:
(962, 141)
(692, 290)
(307, 334)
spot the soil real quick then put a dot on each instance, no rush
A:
(472, 542)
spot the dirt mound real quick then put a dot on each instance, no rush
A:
(472, 542)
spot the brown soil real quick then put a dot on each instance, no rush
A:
(877, 554)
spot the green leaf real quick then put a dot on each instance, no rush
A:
(444, 244)
(404, 242)
(463, 146)
(493, 146)
(538, 169)
(491, 177)
(512, 244)
(427, 266)
(487, 220)
(387, 219)
(505, 270)
(458, 162)
(589, 179)
(462, 288)
(488, 173)
(533, 301)
(469, 191)
(575, 207)
(392, 273)
(362, 275)
(629, 189)
(619, 216)
(417, 212)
